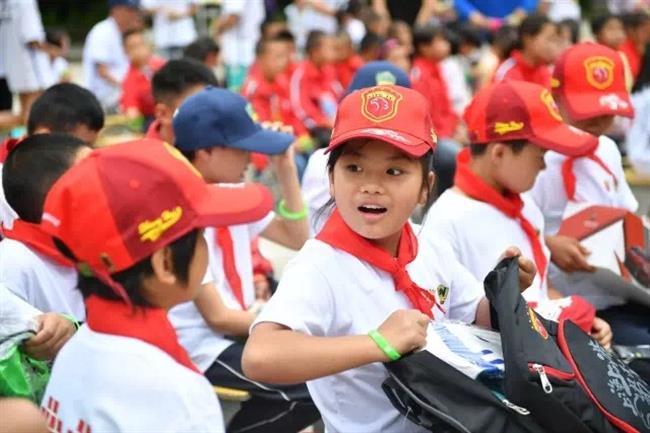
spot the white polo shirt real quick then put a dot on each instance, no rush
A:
(327, 292)
(7, 214)
(593, 184)
(315, 189)
(40, 281)
(479, 233)
(113, 383)
(104, 45)
(171, 32)
(202, 343)
(238, 42)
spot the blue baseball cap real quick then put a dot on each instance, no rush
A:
(135, 4)
(219, 117)
(378, 73)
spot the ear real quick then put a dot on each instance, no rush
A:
(497, 152)
(163, 267)
(162, 113)
(426, 189)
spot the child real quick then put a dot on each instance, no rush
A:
(124, 370)
(637, 29)
(206, 51)
(538, 48)
(348, 61)
(590, 91)
(608, 30)
(171, 85)
(215, 131)
(365, 272)
(314, 89)
(30, 265)
(137, 98)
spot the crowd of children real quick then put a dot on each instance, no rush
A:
(131, 269)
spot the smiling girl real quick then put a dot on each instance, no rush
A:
(364, 291)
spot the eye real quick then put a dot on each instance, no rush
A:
(353, 168)
(394, 171)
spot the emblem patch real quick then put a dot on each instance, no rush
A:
(152, 230)
(600, 71)
(380, 104)
(442, 292)
(506, 127)
(536, 324)
(548, 100)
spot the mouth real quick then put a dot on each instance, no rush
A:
(372, 209)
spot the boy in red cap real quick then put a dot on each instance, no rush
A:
(589, 87)
(364, 291)
(137, 258)
(511, 126)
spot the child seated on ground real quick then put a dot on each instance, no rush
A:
(140, 251)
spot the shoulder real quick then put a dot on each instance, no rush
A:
(505, 69)
(452, 208)
(22, 257)
(608, 150)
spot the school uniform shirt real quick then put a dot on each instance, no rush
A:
(39, 280)
(314, 94)
(516, 68)
(346, 69)
(136, 87)
(478, 234)
(315, 189)
(104, 45)
(202, 343)
(167, 32)
(238, 42)
(7, 214)
(327, 292)
(103, 382)
(27, 69)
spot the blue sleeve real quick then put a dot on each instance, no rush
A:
(529, 5)
(464, 8)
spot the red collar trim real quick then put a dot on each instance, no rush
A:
(32, 236)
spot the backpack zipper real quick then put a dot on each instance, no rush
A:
(546, 384)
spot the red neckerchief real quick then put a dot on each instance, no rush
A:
(226, 244)
(539, 74)
(6, 147)
(154, 130)
(150, 325)
(337, 234)
(32, 236)
(569, 177)
(510, 204)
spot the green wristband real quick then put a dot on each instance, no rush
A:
(291, 216)
(72, 320)
(384, 345)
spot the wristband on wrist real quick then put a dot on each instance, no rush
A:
(291, 216)
(384, 345)
(72, 320)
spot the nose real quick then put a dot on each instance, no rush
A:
(372, 186)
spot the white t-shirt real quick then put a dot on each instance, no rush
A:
(104, 45)
(44, 284)
(593, 184)
(167, 32)
(238, 42)
(16, 315)
(303, 20)
(638, 137)
(202, 343)
(479, 233)
(327, 292)
(7, 214)
(316, 189)
(114, 383)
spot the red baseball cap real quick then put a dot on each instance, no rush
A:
(519, 110)
(394, 114)
(125, 202)
(589, 80)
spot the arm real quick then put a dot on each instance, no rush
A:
(380, 7)
(219, 317)
(568, 254)
(290, 233)
(54, 331)
(226, 22)
(426, 12)
(103, 72)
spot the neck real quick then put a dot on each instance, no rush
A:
(389, 244)
(482, 169)
(529, 58)
(166, 132)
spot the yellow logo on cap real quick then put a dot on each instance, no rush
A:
(153, 230)
(548, 100)
(504, 128)
(600, 71)
(379, 104)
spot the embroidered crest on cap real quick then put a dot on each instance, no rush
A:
(506, 127)
(153, 230)
(548, 100)
(600, 71)
(385, 77)
(379, 104)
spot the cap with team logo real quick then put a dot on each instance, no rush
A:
(390, 113)
(125, 202)
(589, 81)
(378, 73)
(519, 110)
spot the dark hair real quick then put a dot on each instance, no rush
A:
(424, 35)
(272, 19)
(634, 20)
(370, 41)
(532, 26)
(573, 26)
(643, 78)
(127, 34)
(63, 107)
(261, 45)
(177, 76)
(314, 40)
(478, 149)
(132, 279)
(200, 49)
(505, 41)
(469, 35)
(32, 167)
(426, 162)
(285, 36)
(55, 35)
(600, 21)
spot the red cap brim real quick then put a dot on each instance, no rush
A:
(404, 141)
(566, 140)
(588, 105)
(231, 204)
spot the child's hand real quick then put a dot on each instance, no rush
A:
(54, 331)
(568, 254)
(405, 330)
(527, 269)
(601, 332)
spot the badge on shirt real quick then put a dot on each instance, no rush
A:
(442, 293)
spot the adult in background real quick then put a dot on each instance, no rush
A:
(173, 25)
